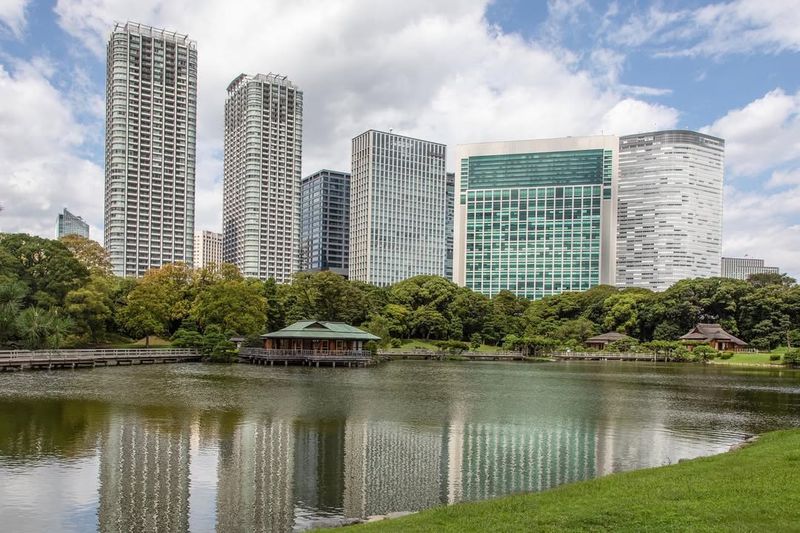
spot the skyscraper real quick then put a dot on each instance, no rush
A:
(207, 248)
(670, 208)
(536, 217)
(151, 116)
(744, 267)
(325, 222)
(69, 224)
(397, 208)
(450, 199)
(261, 195)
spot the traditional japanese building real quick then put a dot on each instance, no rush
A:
(318, 336)
(601, 341)
(714, 336)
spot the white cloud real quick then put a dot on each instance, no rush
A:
(12, 17)
(764, 226)
(40, 172)
(715, 30)
(782, 178)
(761, 135)
(437, 70)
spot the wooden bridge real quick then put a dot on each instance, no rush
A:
(342, 358)
(50, 359)
(608, 356)
(471, 356)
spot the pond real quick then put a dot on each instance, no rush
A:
(243, 448)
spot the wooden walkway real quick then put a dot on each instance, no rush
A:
(471, 356)
(347, 358)
(603, 356)
(52, 359)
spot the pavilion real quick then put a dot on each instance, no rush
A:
(601, 341)
(714, 336)
(318, 337)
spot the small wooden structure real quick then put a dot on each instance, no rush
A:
(313, 342)
(52, 359)
(601, 341)
(714, 336)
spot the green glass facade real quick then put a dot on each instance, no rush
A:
(533, 220)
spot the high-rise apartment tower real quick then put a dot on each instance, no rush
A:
(69, 224)
(207, 248)
(325, 222)
(536, 217)
(151, 116)
(261, 193)
(670, 208)
(397, 208)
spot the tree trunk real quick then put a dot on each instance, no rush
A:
(147, 341)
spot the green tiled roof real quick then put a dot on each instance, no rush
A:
(320, 329)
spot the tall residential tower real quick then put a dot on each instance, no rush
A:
(670, 208)
(325, 222)
(397, 208)
(536, 217)
(151, 115)
(261, 194)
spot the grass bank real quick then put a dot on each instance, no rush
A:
(755, 488)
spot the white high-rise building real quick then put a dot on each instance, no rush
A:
(151, 116)
(261, 194)
(744, 267)
(397, 208)
(669, 208)
(207, 248)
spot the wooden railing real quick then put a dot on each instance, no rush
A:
(96, 354)
(282, 355)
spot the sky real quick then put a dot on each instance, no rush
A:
(450, 71)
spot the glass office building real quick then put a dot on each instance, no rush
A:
(536, 217)
(325, 222)
(151, 123)
(261, 190)
(670, 208)
(69, 224)
(397, 208)
(449, 217)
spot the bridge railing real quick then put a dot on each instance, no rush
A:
(607, 355)
(289, 355)
(94, 354)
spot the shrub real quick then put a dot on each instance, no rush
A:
(475, 341)
(680, 354)
(774, 357)
(396, 343)
(704, 353)
(726, 355)
(792, 357)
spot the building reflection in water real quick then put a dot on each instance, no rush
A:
(144, 475)
(255, 486)
(279, 474)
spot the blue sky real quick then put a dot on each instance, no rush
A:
(452, 71)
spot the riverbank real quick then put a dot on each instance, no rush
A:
(753, 488)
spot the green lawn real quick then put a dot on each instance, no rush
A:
(755, 488)
(760, 358)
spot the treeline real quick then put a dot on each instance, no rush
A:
(62, 293)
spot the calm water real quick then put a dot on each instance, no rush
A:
(242, 448)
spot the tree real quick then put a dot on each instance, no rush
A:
(90, 308)
(327, 296)
(39, 328)
(147, 311)
(766, 279)
(89, 253)
(46, 267)
(12, 294)
(236, 305)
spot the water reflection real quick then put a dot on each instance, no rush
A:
(286, 449)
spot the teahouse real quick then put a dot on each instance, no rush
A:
(319, 337)
(601, 341)
(714, 336)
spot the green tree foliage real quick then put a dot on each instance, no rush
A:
(90, 308)
(231, 303)
(89, 253)
(46, 268)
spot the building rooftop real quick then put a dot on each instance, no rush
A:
(611, 336)
(708, 332)
(156, 33)
(321, 329)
